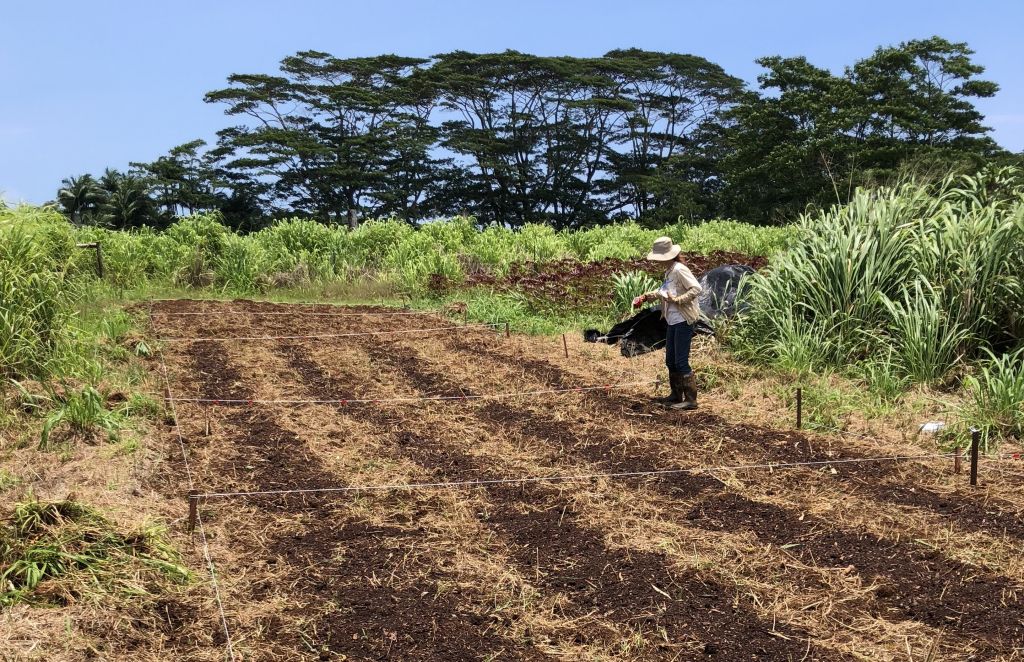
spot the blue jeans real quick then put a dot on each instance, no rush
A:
(677, 348)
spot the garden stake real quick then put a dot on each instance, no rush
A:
(799, 408)
(193, 507)
(207, 409)
(975, 442)
(96, 246)
(957, 468)
(506, 331)
(565, 346)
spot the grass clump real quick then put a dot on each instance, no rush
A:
(918, 281)
(60, 552)
(995, 398)
(629, 285)
(84, 413)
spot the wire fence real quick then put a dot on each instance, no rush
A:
(351, 334)
(407, 399)
(202, 529)
(649, 473)
(274, 313)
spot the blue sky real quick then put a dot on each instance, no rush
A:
(85, 85)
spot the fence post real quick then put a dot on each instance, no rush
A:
(98, 247)
(799, 408)
(975, 443)
(507, 334)
(193, 508)
(958, 460)
(565, 346)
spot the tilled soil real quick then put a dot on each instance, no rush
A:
(566, 283)
(637, 590)
(943, 593)
(408, 575)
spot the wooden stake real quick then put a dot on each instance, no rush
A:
(507, 334)
(958, 460)
(975, 444)
(799, 408)
(193, 509)
(565, 346)
(207, 408)
(96, 246)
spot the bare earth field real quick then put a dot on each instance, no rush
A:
(838, 560)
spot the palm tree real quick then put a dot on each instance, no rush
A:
(128, 204)
(80, 198)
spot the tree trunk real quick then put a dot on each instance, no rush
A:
(353, 221)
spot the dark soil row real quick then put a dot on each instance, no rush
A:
(875, 480)
(582, 285)
(332, 560)
(943, 591)
(564, 555)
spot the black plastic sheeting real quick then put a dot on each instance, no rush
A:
(645, 331)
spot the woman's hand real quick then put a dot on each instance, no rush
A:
(639, 301)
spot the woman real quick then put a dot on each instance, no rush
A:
(678, 296)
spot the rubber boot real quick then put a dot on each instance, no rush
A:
(689, 388)
(675, 382)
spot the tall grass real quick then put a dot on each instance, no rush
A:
(995, 397)
(930, 278)
(199, 252)
(37, 290)
(629, 285)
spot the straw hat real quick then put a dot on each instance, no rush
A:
(663, 250)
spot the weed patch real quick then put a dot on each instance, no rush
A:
(60, 552)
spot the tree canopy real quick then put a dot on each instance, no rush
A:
(512, 138)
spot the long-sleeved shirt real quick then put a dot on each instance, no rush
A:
(678, 295)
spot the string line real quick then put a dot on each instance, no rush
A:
(199, 518)
(349, 401)
(258, 313)
(562, 478)
(331, 335)
(1005, 472)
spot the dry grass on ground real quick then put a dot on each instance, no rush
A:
(863, 560)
